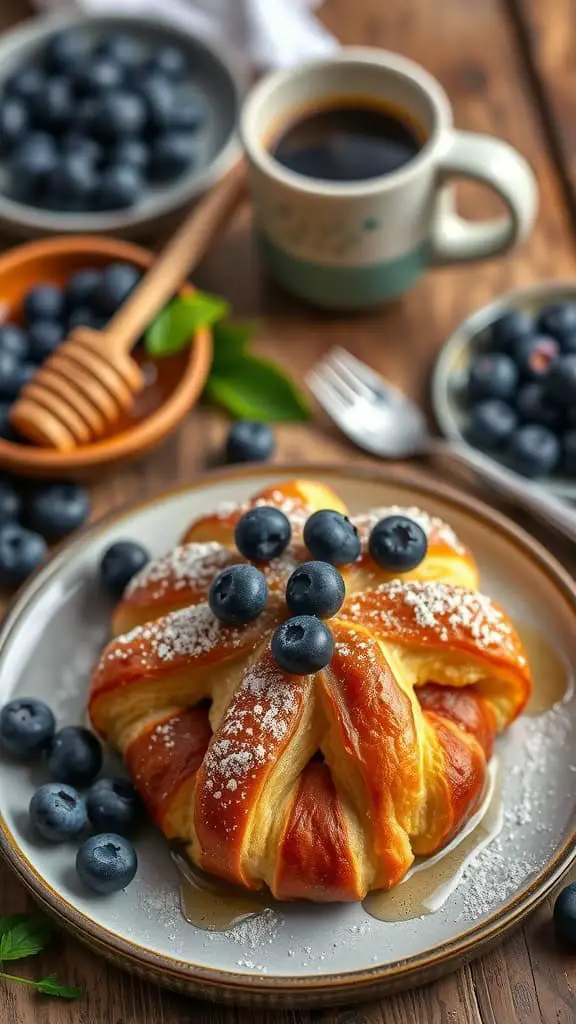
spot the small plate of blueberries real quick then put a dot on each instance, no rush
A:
(109, 123)
(505, 382)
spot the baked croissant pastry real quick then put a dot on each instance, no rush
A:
(323, 785)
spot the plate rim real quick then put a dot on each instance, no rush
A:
(226, 985)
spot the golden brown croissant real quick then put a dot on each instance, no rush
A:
(322, 786)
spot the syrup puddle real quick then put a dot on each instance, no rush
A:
(552, 680)
(211, 904)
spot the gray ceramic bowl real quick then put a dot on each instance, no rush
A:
(218, 146)
(452, 364)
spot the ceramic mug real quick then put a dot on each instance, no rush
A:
(352, 244)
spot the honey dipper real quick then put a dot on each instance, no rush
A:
(85, 385)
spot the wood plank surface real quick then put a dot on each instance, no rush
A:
(476, 52)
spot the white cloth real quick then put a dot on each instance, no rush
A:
(257, 34)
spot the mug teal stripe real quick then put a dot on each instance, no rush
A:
(337, 287)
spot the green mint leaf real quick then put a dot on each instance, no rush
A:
(10, 921)
(230, 339)
(252, 388)
(52, 987)
(28, 937)
(175, 326)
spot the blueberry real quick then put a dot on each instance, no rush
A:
(13, 124)
(44, 302)
(492, 375)
(250, 441)
(507, 330)
(172, 153)
(117, 115)
(9, 375)
(74, 756)
(569, 452)
(84, 316)
(10, 501)
(76, 144)
(85, 112)
(535, 356)
(534, 407)
(189, 113)
(533, 450)
(168, 60)
(561, 381)
(21, 551)
(238, 594)
(262, 533)
(26, 726)
(45, 336)
(97, 76)
(31, 165)
(121, 48)
(120, 186)
(65, 50)
(14, 340)
(106, 863)
(57, 812)
(398, 544)
(82, 287)
(53, 109)
(130, 152)
(302, 645)
(557, 319)
(565, 914)
(72, 184)
(331, 537)
(315, 588)
(160, 101)
(117, 280)
(113, 805)
(58, 509)
(26, 84)
(120, 563)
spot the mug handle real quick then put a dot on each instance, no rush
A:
(497, 165)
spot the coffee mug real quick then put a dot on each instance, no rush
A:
(349, 244)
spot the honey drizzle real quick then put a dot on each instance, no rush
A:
(552, 679)
(212, 904)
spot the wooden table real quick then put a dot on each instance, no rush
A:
(509, 67)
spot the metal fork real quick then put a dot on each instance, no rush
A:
(379, 418)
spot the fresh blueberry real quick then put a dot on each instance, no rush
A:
(57, 812)
(31, 165)
(82, 287)
(85, 316)
(72, 184)
(119, 114)
(45, 336)
(13, 124)
(302, 645)
(507, 330)
(262, 533)
(117, 280)
(120, 563)
(159, 100)
(26, 84)
(250, 441)
(106, 863)
(238, 594)
(24, 374)
(65, 50)
(315, 588)
(58, 509)
(26, 726)
(10, 501)
(558, 319)
(172, 153)
(9, 375)
(79, 145)
(569, 453)
(21, 551)
(53, 110)
(561, 381)
(85, 112)
(331, 537)
(565, 914)
(14, 340)
(74, 756)
(113, 805)
(398, 544)
(492, 375)
(97, 76)
(130, 152)
(168, 60)
(120, 186)
(44, 302)
(534, 407)
(535, 356)
(533, 450)
(189, 113)
(121, 48)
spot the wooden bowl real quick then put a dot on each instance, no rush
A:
(175, 382)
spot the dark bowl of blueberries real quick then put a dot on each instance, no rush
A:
(109, 124)
(505, 383)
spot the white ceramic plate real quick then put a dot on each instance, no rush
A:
(297, 953)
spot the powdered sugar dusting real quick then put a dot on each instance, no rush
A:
(433, 526)
(189, 632)
(190, 565)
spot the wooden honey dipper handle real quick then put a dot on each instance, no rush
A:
(176, 261)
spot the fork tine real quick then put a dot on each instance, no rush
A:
(328, 398)
(335, 379)
(337, 362)
(366, 374)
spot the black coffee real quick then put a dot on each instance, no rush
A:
(347, 143)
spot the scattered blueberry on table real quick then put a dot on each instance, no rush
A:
(89, 126)
(250, 441)
(565, 914)
(520, 396)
